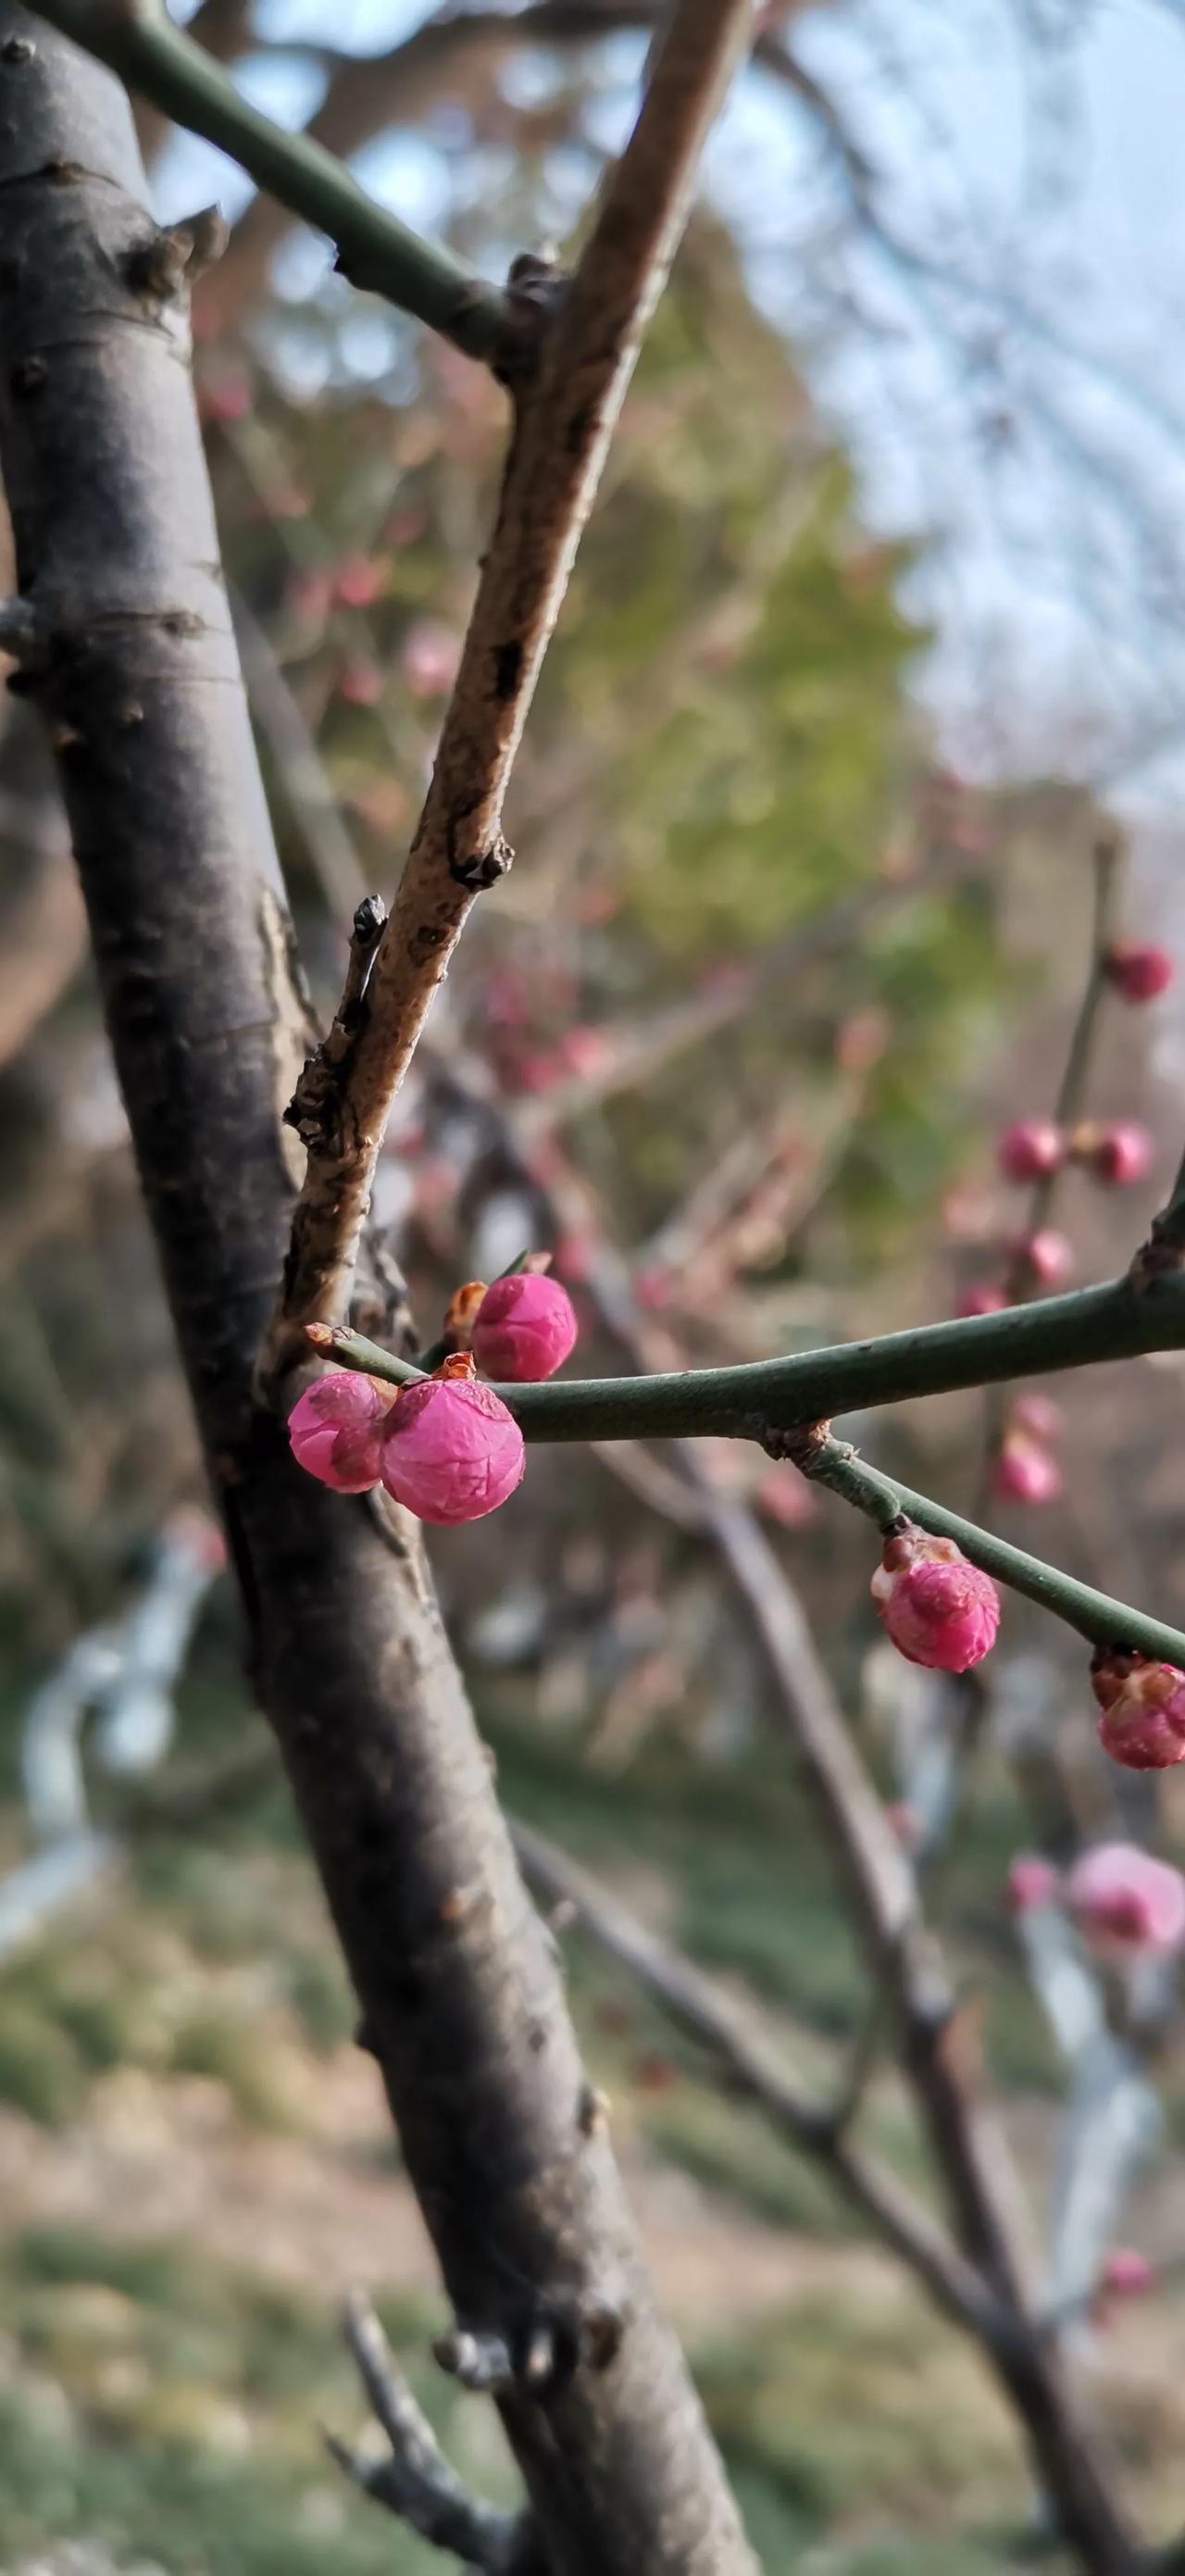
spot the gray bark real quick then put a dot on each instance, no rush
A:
(136, 673)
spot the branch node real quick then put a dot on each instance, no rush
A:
(480, 2361)
(540, 2358)
(602, 2330)
(315, 1107)
(170, 257)
(804, 1443)
(535, 290)
(23, 633)
(483, 870)
(414, 2480)
(592, 2116)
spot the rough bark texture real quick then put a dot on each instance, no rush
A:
(457, 1979)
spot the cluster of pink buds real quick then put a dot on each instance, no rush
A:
(1142, 1711)
(1127, 1904)
(1026, 1469)
(1117, 1152)
(445, 1446)
(939, 1610)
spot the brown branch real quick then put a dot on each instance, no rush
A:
(457, 1983)
(564, 422)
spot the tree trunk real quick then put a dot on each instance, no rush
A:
(135, 669)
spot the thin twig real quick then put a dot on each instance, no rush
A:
(1099, 1618)
(1112, 1322)
(413, 2480)
(564, 424)
(752, 2065)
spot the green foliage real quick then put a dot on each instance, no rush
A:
(41, 2072)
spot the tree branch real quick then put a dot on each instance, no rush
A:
(1116, 1321)
(456, 54)
(374, 249)
(563, 427)
(752, 2067)
(939, 2059)
(1097, 1616)
(457, 1982)
(938, 2054)
(414, 2480)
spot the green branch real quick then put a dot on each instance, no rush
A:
(140, 42)
(1120, 1321)
(1095, 1615)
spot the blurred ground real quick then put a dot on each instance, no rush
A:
(195, 2165)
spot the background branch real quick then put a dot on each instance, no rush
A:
(413, 2479)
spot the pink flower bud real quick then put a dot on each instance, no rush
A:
(1126, 2274)
(537, 1072)
(360, 682)
(310, 596)
(1025, 1472)
(1126, 1902)
(1038, 1415)
(451, 1451)
(525, 1327)
(430, 658)
(336, 1428)
(787, 1497)
(358, 582)
(1139, 973)
(939, 1609)
(1142, 1724)
(654, 1289)
(587, 1051)
(226, 397)
(575, 1255)
(1031, 1150)
(982, 1298)
(1046, 1255)
(1118, 1155)
(1032, 1883)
